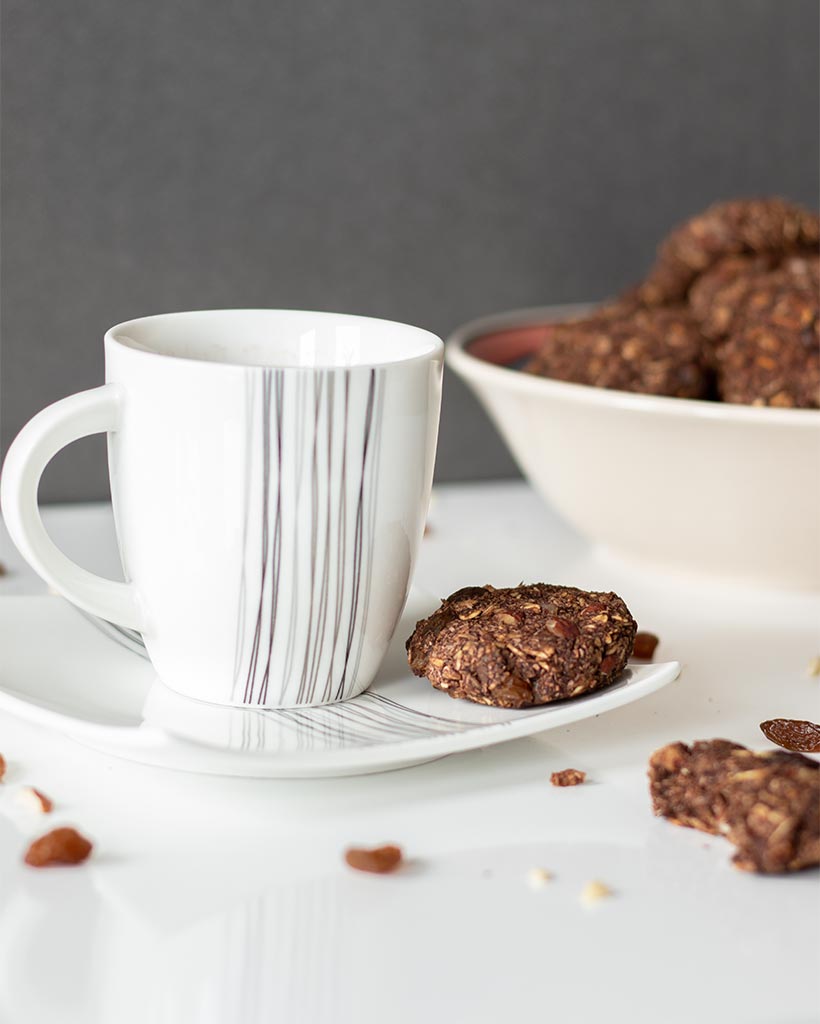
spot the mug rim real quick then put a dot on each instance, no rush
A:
(434, 351)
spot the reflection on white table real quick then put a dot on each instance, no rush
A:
(226, 900)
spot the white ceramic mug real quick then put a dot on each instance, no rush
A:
(270, 475)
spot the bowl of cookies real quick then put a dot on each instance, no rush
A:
(679, 423)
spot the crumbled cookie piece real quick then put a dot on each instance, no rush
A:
(737, 227)
(3, 570)
(33, 800)
(60, 846)
(537, 878)
(793, 734)
(378, 860)
(767, 804)
(685, 782)
(2, 768)
(525, 645)
(644, 646)
(594, 892)
(568, 777)
(652, 351)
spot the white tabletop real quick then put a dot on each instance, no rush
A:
(226, 900)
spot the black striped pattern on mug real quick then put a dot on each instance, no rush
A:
(311, 483)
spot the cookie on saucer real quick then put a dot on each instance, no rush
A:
(522, 646)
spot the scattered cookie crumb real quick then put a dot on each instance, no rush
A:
(61, 846)
(33, 800)
(568, 777)
(814, 667)
(643, 646)
(3, 570)
(2, 768)
(379, 860)
(538, 877)
(594, 892)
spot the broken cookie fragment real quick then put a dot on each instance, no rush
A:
(767, 804)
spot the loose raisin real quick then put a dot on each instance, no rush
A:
(378, 860)
(644, 646)
(793, 734)
(61, 846)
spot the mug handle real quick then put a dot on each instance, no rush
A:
(89, 412)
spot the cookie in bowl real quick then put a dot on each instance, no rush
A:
(522, 646)
(651, 351)
(773, 355)
(767, 226)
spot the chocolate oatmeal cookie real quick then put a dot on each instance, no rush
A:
(773, 355)
(526, 645)
(767, 804)
(725, 229)
(653, 351)
(716, 297)
(719, 299)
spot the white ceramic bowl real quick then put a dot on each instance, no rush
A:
(710, 489)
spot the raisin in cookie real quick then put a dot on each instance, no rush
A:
(526, 645)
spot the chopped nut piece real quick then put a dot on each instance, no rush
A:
(793, 734)
(538, 877)
(644, 646)
(2, 767)
(814, 667)
(568, 777)
(33, 800)
(378, 860)
(594, 892)
(61, 846)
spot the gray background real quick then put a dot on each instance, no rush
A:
(422, 160)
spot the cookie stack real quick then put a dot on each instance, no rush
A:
(729, 311)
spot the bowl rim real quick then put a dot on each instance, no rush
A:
(472, 368)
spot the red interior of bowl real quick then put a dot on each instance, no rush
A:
(505, 347)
